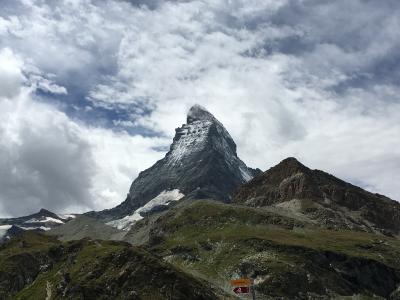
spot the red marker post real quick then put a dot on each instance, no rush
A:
(244, 286)
(241, 290)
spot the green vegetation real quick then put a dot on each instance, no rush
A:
(217, 242)
(91, 269)
(214, 222)
(201, 245)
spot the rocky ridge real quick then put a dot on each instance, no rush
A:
(41, 221)
(324, 199)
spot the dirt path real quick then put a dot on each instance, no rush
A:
(48, 290)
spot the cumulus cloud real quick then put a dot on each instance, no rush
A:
(48, 160)
(37, 142)
(11, 76)
(285, 77)
(312, 79)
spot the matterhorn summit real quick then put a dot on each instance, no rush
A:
(202, 163)
(201, 131)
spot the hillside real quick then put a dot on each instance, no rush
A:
(288, 258)
(34, 266)
(327, 201)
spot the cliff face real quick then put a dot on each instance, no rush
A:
(329, 201)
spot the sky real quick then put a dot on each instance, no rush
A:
(91, 91)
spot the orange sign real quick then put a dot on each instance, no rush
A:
(241, 282)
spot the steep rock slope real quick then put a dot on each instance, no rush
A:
(202, 163)
(330, 202)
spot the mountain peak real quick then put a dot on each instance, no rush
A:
(321, 197)
(44, 211)
(202, 163)
(202, 133)
(291, 164)
(199, 113)
(291, 159)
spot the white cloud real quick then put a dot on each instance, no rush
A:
(44, 161)
(311, 79)
(275, 103)
(119, 158)
(11, 76)
(47, 160)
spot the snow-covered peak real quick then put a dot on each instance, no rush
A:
(202, 163)
(188, 139)
(201, 131)
(43, 220)
(199, 113)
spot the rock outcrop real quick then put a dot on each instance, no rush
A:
(329, 201)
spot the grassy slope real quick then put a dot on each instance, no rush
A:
(90, 269)
(217, 241)
(212, 221)
(82, 227)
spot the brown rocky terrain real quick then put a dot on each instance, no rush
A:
(292, 188)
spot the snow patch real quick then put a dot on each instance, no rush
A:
(45, 220)
(34, 228)
(65, 217)
(164, 198)
(192, 137)
(245, 174)
(3, 230)
(126, 222)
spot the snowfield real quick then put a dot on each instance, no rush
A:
(45, 220)
(164, 198)
(3, 230)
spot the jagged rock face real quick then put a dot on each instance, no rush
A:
(202, 163)
(322, 197)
